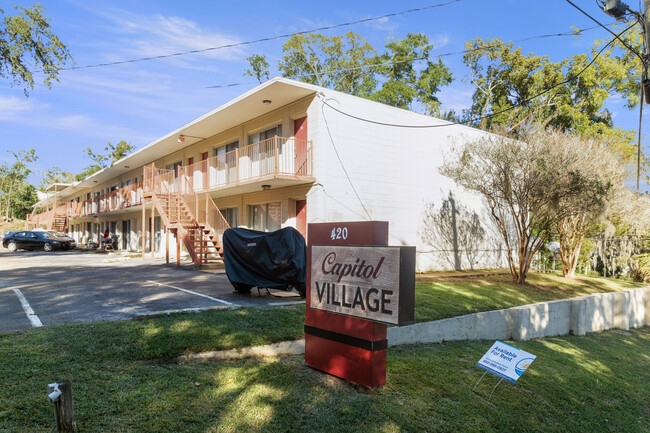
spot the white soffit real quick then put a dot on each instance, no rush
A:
(248, 106)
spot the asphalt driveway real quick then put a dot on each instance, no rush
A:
(41, 289)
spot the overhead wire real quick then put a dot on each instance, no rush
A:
(336, 151)
(625, 44)
(574, 77)
(325, 103)
(270, 38)
(397, 62)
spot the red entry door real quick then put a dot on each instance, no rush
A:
(300, 133)
(301, 217)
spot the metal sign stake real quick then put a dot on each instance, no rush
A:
(479, 381)
(495, 387)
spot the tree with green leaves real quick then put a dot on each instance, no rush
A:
(512, 87)
(113, 153)
(402, 83)
(259, 67)
(336, 62)
(55, 175)
(532, 183)
(593, 173)
(349, 64)
(27, 44)
(24, 199)
(12, 179)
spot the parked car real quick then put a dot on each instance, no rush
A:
(35, 240)
(6, 233)
(61, 235)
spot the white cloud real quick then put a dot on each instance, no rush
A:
(383, 24)
(135, 35)
(88, 126)
(456, 98)
(161, 35)
(12, 106)
(79, 124)
(440, 40)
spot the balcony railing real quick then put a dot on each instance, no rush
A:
(122, 198)
(39, 218)
(277, 156)
(274, 156)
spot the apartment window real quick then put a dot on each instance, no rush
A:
(231, 215)
(265, 217)
(174, 166)
(226, 148)
(269, 133)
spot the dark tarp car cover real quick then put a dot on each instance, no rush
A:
(275, 260)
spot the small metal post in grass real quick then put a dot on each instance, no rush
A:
(60, 394)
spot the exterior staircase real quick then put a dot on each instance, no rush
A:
(59, 223)
(193, 218)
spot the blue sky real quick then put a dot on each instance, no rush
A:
(142, 101)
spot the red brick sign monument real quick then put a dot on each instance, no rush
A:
(356, 285)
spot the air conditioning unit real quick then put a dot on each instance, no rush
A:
(615, 8)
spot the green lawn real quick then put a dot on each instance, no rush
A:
(125, 378)
(170, 336)
(598, 383)
(438, 296)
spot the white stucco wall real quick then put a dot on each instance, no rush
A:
(394, 171)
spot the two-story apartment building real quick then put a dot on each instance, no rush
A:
(285, 153)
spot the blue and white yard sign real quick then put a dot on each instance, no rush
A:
(506, 361)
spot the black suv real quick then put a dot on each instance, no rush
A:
(36, 240)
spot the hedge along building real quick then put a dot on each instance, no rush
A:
(283, 154)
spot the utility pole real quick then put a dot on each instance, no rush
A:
(645, 84)
(646, 49)
(618, 10)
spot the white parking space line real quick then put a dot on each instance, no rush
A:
(191, 292)
(33, 318)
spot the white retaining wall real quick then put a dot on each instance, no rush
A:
(621, 310)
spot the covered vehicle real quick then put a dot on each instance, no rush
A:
(276, 260)
(35, 240)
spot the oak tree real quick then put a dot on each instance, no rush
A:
(28, 46)
(113, 153)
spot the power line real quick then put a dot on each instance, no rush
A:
(453, 53)
(270, 38)
(605, 27)
(329, 133)
(488, 115)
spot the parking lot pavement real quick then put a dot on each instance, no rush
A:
(82, 287)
